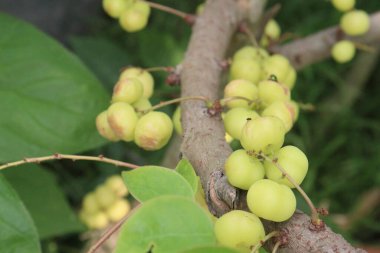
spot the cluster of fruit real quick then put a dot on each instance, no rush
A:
(353, 23)
(128, 117)
(106, 204)
(260, 114)
(133, 15)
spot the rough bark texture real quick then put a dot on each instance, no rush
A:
(203, 140)
(316, 47)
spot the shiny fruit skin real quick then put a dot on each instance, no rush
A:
(277, 65)
(122, 119)
(143, 76)
(271, 201)
(272, 91)
(133, 19)
(104, 196)
(355, 23)
(114, 8)
(246, 69)
(118, 210)
(293, 161)
(153, 130)
(90, 204)
(283, 111)
(250, 53)
(235, 120)
(243, 170)
(116, 184)
(343, 5)
(239, 229)
(104, 127)
(240, 88)
(343, 51)
(290, 79)
(97, 220)
(177, 120)
(265, 134)
(128, 90)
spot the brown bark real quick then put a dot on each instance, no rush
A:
(203, 141)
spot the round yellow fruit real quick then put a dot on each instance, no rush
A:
(343, 51)
(134, 18)
(122, 119)
(90, 204)
(343, 5)
(104, 196)
(114, 8)
(128, 90)
(276, 65)
(104, 127)
(235, 120)
(240, 88)
(177, 120)
(118, 210)
(283, 111)
(97, 220)
(143, 76)
(271, 91)
(251, 53)
(355, 22)
(116, 184)
(246, 69)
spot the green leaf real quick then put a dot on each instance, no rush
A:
(17, 231)
(211, 249)
(44, 200)
(49, 99)
(185, 168)
(149, 182)
(166, 224)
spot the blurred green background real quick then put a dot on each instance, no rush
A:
(341, 137)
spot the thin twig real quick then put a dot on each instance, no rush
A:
(178, 100)
(69, 157)
(110, 231)
(168, 9)
(262, 242)
(276, 247)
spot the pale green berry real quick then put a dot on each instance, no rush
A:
(104, 127)
(240, 88)
(355, 22)
(104, 196)
(118, 210)
(153, 130)
(97, 220)
(142, 104)
(243, 170)
(343, 51)
(291, 78)
(265, 134)
(276, 65)
(343, 5)
(177, 120)
(235, 119)
(143, 76)
(90, 204)
(293, 161)
(283, 111)
(272, 32)
(122, 119)
(114, 8)
(294, 108)
(251, 53)
(128, 90)
(135, 18)
(239, 229)
(271, 201)
(272, 91)
(246, 69)
(116, 184)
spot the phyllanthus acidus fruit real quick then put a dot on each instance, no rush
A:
(98, 220)
(246, 69)
(265, 134)
(116, 184)
(271, 91)
(122, 119)
(104, 127)
(240, 88)
(235, 119)
(282, 110)
(251, 53)
(272, 31)
(277, 65)
(355, 22)
(118, 210)
(114, 8)
(153, 130)
(271, 200)
(90, 204)
(243, 170)
(291, 78)
(135, 17)
(143, 76)
(343, 5)
(127, 90)
(143, 104)
(239, 229)
(104, 196)
(177, 120)
(293, 161)
(343, 51)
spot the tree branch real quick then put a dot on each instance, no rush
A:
(203, 141)
(316, 47)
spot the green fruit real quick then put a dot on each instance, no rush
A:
(239, 229)
(135, 18)
(243, 170)
(104, 196)
(128, 90)
(343, 51)
(153, 130)
(246, 69)
(355, 22)
(177, 120)
(114, 8)
(272, 32)
(251, 53)
(98, 220)
(294, 109)
(142, 104)
(118, 210)
(90, 204)
(271, 91)
(343, 5)
(291, 78)
(235, 119)
(276, 65)
(264, 134)
(143, 76)
(104, 128)
(240, 88)
(293, 161)
(283, 111)
(271, 201)
(122, 119)
(116, 184)
(200, 9)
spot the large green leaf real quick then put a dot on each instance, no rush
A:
(17, 231)
(49, 99)
(166, 224)
(149, 182)
(44, 200)
(185, 168)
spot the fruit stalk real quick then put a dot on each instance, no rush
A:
(170, 10)
(178, 100)
(262, 242)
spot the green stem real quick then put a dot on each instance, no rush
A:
(262, 242)
(276, 246)
(156, 69)
(167, 9)
(224, 101)
(178, 100)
